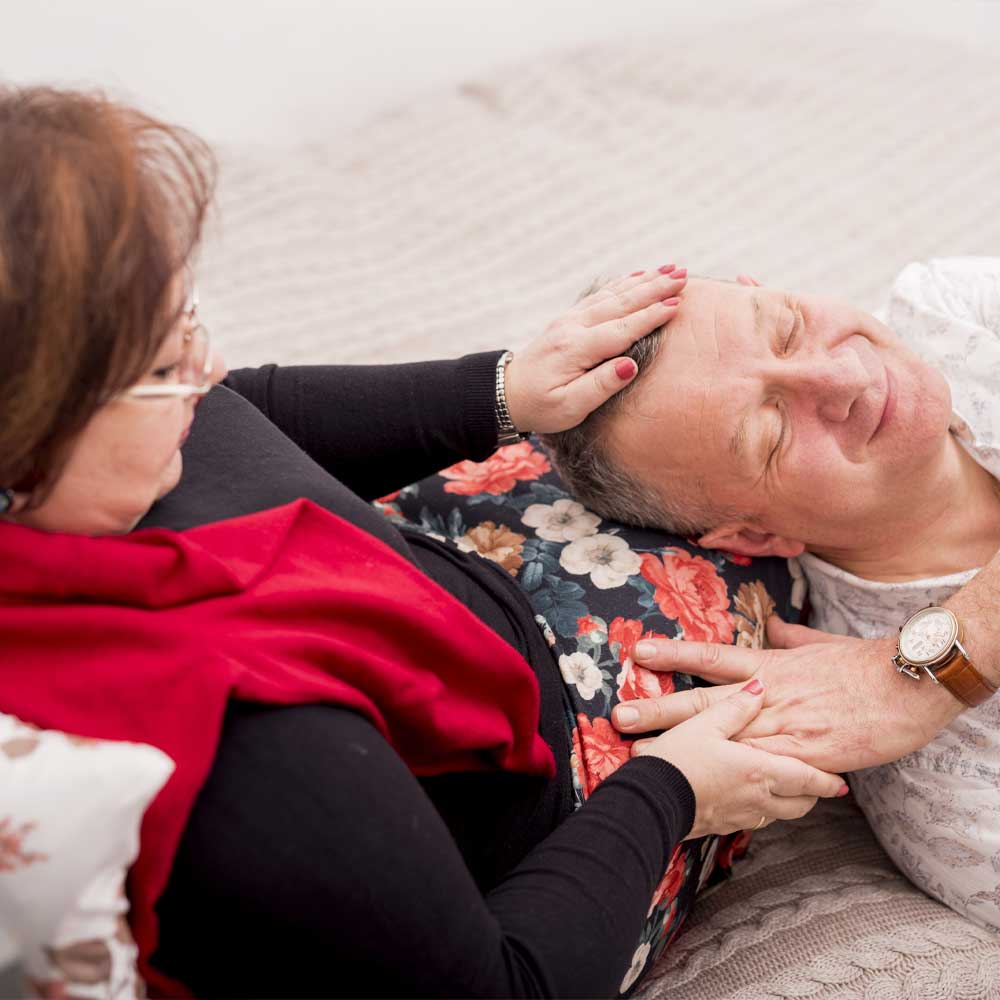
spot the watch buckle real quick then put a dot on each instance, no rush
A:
(907, 669)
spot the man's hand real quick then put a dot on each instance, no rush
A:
(832, 701)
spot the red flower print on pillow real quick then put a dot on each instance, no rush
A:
(690, 589)
(498, 474)
(389, 497)
(604, 751)
(672, 880)
(730, 851)
(635, 681)
(12, 852)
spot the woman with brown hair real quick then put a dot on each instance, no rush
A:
(372, 793)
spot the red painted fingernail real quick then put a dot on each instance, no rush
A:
(681, 272)
(667, 268)
(635, 274)
(843, 791)
(671, 302)
(754, 686)
(625, 369)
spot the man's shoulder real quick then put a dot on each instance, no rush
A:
(960, 289)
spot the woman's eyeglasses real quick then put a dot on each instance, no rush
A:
(195, 366)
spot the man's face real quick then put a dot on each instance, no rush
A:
(807, 414)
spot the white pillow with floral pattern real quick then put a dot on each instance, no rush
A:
(70, 810)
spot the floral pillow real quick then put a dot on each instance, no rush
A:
(70, 810)
(597, 587)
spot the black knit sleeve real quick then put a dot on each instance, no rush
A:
(314, 865)
(378, 427)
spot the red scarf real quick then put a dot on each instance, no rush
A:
(145, 637)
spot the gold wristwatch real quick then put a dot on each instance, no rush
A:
(930, 642)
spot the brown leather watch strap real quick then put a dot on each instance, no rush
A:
(962, 679)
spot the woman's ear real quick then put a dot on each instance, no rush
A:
(745, 279)
(743, 541)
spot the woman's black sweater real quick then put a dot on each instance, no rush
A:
(314, 863)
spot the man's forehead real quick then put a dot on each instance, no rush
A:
(742, 309)
(679, 406)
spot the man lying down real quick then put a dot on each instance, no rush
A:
(770, 423)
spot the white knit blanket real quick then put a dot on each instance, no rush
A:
(794, 146)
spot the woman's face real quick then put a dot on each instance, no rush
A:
(127, 456)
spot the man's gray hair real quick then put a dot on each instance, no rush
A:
(602, 484)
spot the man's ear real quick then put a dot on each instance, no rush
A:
(743, 541)
(745, 279)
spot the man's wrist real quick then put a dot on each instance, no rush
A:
(921, 708)
(976, 606)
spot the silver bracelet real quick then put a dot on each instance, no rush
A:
(507, 433)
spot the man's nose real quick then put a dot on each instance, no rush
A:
(829, 382)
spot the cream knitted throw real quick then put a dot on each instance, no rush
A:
(818, 911)
(791, 146)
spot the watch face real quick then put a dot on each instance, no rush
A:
(927, 635)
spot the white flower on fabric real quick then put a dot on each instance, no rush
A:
(580, 669)
(607, 558)
(638, 964)
(562, 521)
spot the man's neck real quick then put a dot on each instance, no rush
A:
(957, 528)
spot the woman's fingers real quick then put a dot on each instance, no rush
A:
(790, 778)
(619, 301)
(710, 660)
(612, 288)
(644, 715)
(563, 375)
(597, 386)
(640, 747)
(793, 807)
(608, 288)
(616, 336)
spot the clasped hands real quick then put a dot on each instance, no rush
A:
(834, 702)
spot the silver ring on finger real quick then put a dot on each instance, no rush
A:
(761, 824)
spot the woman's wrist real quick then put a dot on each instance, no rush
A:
(666, 788)
(509, 431)
(476, 393)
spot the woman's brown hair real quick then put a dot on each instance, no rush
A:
(100, 207)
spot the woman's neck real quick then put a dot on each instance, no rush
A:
(957, 528)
